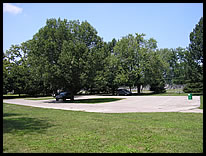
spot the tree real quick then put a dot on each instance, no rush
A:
(112, 72)
(196, 43)
(132, 53)
(44, 50)
(61, 54)
(175, 65)
(129, 53)
(106, 68)
(154, 72)
(111, 45)
(165, 55)
(111, 68)
(101, 62)
(14, 69)
(6, 74)
(94, 64)
(69, 55)
(179, 66)
(195, 60)
(71, 69)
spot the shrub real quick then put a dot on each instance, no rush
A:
(157, 88)
(193, 87)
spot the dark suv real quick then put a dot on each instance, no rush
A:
(123, 92)
(63, 95)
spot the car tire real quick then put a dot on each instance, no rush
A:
(57, 99)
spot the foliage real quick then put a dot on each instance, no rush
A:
(61, 52)
(131, 52)
(175, 65)
(69, 55)
(195, 60)
(154, 74)
(196, 87)
(15, 72)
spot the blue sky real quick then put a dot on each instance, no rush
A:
(169, 23)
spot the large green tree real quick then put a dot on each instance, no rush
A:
(195, 60)
(133, 53)
(107, 68)
(62, 54)
(130, 56)
(176, 66)
(154, 72)
(15, 72)
(72, 63)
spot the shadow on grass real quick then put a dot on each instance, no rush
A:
(89, 101)
(24, 125)
(10, 114)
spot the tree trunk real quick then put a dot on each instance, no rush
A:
(72, 97)
(130, 88)
(113, 90)
(138, 88)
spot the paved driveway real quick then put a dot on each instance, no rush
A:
(129, 104)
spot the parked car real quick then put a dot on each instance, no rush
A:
(63, 95)
(123, 92)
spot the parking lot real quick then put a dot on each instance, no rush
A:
(128, 104)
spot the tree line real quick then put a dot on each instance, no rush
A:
(69, 55)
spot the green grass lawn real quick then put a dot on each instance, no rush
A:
(14, 95)
(201, 102)
(30, 129)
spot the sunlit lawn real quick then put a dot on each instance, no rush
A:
(201, 102)
(29, 129)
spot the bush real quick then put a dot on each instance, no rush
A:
(193, 87)
(157, 88)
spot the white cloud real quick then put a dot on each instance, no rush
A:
(11, 8)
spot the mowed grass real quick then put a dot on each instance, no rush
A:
(201, 102)
(30, 129)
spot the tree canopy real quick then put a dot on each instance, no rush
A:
(69, 55)
(195, 60)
